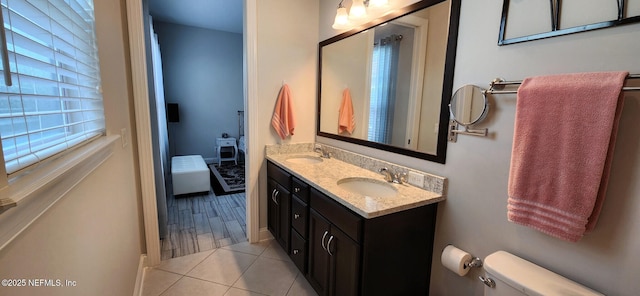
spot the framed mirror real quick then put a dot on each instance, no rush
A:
(387, 85)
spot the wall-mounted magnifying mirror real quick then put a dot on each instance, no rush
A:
(468, 106)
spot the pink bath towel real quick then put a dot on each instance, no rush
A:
(565, 130)
(346, 118)
(283, 120)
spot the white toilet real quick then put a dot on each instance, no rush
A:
(513, 276)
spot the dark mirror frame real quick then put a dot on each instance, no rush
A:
(555, 18)
(447, 85)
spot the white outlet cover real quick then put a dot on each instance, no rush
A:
(416, 179)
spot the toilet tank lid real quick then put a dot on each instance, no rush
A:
(531, 279)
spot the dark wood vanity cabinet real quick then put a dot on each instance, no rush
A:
(279, 205)
(342, 253)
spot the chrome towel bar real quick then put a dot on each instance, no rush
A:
(497, 85)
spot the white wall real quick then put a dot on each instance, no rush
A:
(287, 48)
(93, 235)
(474, 215)
(202, 73)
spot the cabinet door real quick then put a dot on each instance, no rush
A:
(319, 230)
(278, 213)
(344, 269)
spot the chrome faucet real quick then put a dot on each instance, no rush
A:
(392, 177)
(323, 153)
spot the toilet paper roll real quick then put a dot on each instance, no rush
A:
(455, 260)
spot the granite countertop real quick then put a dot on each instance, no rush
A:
(324, 176)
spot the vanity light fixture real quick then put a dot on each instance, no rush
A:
(357, 13)
(342, 18)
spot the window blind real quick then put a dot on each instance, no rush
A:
(54, 101)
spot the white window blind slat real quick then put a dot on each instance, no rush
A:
(55, 102)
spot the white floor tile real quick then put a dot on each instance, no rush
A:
(249, 248)
(240, 292)
(275, 251)
(268, 276)
(195, 287)
(223, 266)
(183, 264)
(301, 287)
(244, 269)
(157, 281)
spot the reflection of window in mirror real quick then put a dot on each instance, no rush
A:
(390, 96)
(384, 75)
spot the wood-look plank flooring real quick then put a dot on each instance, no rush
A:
(201, 222)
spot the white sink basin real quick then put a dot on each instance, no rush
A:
(304, 159)
(368, 187)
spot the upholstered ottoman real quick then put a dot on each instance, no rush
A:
(190, 174)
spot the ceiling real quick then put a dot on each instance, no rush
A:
(222, 15)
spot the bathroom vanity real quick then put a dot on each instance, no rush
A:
(346, 243)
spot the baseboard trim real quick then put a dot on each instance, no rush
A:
(265, 234)
(142, 264)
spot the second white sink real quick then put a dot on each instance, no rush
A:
(304, 159)
(368, 187)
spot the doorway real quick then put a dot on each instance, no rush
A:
(136, 19)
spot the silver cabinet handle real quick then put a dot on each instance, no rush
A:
(276, 197)
(296, 189)
(273, 194)
(322, 241)
(295, 252)
(296, 216)
(329, 246)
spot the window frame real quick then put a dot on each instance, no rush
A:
(72, 111)
(28, 193)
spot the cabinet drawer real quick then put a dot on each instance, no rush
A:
(300, 189)
(223, 143)
(279, 175)
(299, 251)
(299, 214)
(349, 222)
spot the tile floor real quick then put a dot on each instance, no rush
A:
(242, 269)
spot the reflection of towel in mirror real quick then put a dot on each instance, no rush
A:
(564, 135)
(283, 120)
(346, 119)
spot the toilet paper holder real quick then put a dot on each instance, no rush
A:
(474, 262)
(459, 261)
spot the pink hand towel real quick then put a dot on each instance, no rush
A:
(565, 130)
(346, 119)
(283, 120)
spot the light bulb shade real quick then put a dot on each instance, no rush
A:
(342, 19)
(357, 11)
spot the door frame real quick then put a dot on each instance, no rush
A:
(135, 21)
